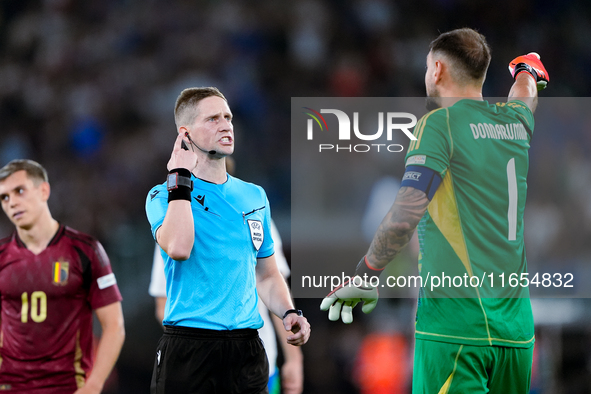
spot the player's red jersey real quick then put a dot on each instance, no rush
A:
(47, 302)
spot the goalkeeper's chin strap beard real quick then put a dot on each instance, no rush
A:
(210, 152)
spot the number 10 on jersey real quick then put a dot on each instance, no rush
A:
(38, 307)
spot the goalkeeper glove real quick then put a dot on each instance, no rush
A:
(358, 289)
(530, 63)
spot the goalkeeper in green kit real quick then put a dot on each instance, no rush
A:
(465, 189)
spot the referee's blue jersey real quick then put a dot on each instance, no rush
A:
(216, 287)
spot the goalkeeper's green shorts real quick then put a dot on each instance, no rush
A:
(446, 368)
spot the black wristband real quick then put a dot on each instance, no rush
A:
(363, 268)
(527, 68)
(181, 171)
(181, 191)
(296, 311)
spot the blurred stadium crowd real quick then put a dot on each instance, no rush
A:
(87, 88)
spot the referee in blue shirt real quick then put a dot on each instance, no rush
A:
(215, 232)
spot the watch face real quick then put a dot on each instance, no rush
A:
(171, 182)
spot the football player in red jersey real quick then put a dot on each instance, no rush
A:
(51, 280)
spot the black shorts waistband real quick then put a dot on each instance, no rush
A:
(243, 333)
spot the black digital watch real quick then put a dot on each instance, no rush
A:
(174, 180)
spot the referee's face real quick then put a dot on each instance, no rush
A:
(213, 128)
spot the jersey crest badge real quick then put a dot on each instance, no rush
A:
(256, 233)
(61, 272)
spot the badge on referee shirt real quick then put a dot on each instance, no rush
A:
(256, 233)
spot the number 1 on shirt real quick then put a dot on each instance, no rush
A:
(512, 211)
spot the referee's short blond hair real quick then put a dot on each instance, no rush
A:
(185, 109)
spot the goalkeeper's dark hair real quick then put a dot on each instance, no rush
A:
(186, 103)
(34, 170)
(469, 52)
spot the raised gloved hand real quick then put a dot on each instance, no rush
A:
(531, 64)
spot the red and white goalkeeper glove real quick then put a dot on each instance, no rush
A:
(361, 288)
(531, 64)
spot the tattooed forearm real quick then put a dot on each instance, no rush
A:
(398, 226)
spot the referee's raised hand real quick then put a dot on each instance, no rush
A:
(181, 157)
(299, 326)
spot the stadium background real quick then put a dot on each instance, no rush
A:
(87, 89)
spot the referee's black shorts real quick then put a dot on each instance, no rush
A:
(194, 360)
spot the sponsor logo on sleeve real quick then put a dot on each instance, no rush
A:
(106, 281)
(417, 159)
